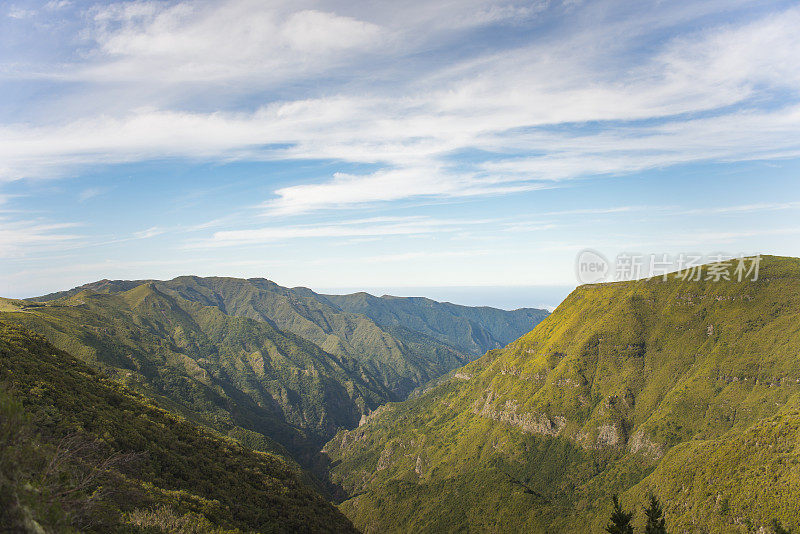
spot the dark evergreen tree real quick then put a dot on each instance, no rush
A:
(655, 517)
(620, 519)
(778, 528)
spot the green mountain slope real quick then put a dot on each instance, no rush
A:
(236, 374)
(402, 342)
(625, 387)
(81, 453)
(101, 286)
(400, 359)
(742, 478)
(473, 330)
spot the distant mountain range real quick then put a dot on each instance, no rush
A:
(280, 369)
(689, 390)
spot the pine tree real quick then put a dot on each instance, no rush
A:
(778, 528)
(655, 517)
(620, 519)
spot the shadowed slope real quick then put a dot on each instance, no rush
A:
(81, 453)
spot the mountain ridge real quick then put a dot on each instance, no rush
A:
(404, 353)
(475, 329)
(234, 371)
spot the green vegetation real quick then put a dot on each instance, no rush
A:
(401, 342)
(472, 330)
(81, 453)
(620, 519)
(242, 377)
(654, 514)
(688, 390)
(399, 348)
(778, 528)
(748, 477)
(279, 369)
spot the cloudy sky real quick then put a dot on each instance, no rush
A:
(391, 144)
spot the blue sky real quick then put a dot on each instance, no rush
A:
(391, 145)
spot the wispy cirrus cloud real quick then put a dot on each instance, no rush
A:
(21, 237)
(347, 190)
(89, 193)
(373, 227)
(696, 96)
(426, 255)
(219, 41)
(153, 231)
(744, 208)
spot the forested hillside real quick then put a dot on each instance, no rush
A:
(400, 358)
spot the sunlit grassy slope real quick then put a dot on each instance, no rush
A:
(687, 388)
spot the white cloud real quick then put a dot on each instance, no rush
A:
(90, 192)
(347, 190)
(425, 255)
(709, 239)
(57, 4)
(694, 97)
(19, 238)
(19, 13)
(218, 41)
(419, 168)
(734, 136)
(148, 233)
(745, 208)
(763, 52)
(403, 226)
